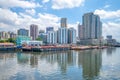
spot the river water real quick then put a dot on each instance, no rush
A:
(69, 65)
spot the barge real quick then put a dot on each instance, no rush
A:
(46, 48)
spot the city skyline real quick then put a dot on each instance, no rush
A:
(20, 14)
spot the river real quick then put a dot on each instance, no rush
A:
(66, 65)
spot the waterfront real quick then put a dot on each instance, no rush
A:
(97, 64)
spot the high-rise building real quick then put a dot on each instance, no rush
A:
(49, 29)
(52, 37)
(41, 31)
(80, 32)
(109, 37)
(63, 35)
(92, 26)
(12, 35)
(23, 32)
(4, 35)
(71, 35)
(64, 22)
(34, 31)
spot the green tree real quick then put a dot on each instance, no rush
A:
(39, 39)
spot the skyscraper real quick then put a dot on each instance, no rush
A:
(52, 37)
(71, 36)
(49, 29)
(64, 22)
(34, 31)
(80, 32)
(23, 32)
(92, 26)
(63, 35)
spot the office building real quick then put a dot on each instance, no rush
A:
(49, 29)
(21, 39)
(34, 31)
(23, 32)
(52, 37)
(92, 29)
(12, 35)
(92, 26)
(63, 35)
(80, 32)
(41, 31)
(64, 22)
(71, 36)
(109, 37)
(4, 35)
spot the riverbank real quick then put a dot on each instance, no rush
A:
(51, 48)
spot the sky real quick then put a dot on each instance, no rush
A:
(16, 14)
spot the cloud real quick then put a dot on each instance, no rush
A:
(30, 11)
(106, 6)
(112, 28)
(6, 16)
(61, 4)
(111, 22)
(45, 1)
(18, 3)
(107, 14)
(12, 21)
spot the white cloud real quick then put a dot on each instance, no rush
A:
(108, 14)
(6, 16)
(106, 6)
(30, 11)
(12, 21)
(61, 4)
(18, 3)
(111, 24)
(45, 1)
(112, 28)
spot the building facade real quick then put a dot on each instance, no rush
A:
(62, 35)
(80, 32)
(52, 37)
(92, 26)
(34, 31)
(4, 35)
(71, 36)
(49, 29)
(64, 22)
(23, 32)
(21, 39)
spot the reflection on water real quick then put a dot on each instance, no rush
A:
(68, 65)
(111, 50)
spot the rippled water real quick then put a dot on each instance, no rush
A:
(70, 65)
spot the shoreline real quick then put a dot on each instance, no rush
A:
(50, 48)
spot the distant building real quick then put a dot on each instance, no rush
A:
(110, 40)
(43, 37)
(34, 31)
(63, 35)
(21, 39)
(64, 22)
(49, 29)
(23, 32)
(52, 37)
(41, 31)
(71, 36)
(4, 35)
(109, 37)
(12, 35)
(80, 32)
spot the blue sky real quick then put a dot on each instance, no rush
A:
(15, 14)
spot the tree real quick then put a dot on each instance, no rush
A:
(39, 39)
